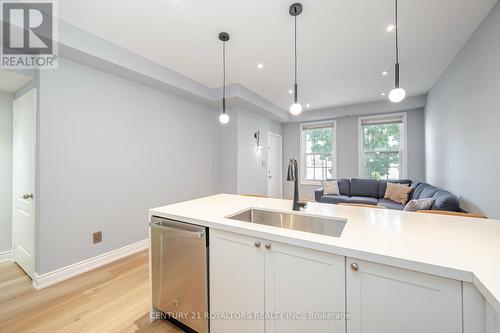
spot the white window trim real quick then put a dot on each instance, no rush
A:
(303, 181)
(403, 144)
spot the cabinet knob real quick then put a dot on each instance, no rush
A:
(257, 244)
(354, 267)
(268, 246)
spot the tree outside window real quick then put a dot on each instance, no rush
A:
(382, 149)
(318, 152)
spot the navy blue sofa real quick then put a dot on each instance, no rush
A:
(371, 192)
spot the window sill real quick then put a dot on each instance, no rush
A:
(310, 182)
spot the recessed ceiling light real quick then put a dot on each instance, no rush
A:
(382, 94)
(390, 27)
(260, 66)
(308, 105)
(384, 73)
(290, 91)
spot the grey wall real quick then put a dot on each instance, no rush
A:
(5, 172)
(109, 150)
(347, 150)
(243, 170)
(462, 120)
(228, 154)
(252, 164)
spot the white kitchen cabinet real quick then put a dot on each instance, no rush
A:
(307, 282)
(237, 273)
(391, 300)
(286, 283)
(479, 315)
(492, 320)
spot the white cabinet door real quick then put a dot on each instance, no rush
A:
(390, 300)
(479, 315)
(492, 320)
(302, 282)
(236, 282)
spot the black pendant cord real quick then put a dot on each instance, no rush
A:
(396, 68)
(295, 84)
(223, 77)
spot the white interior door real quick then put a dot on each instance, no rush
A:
(24, 157)
(274, 166)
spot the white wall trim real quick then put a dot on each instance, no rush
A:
(6, 256)
(61, 274)
(403, 143)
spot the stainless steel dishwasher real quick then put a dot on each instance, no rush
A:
(179, 255)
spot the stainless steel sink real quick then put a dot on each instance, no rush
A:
(319, 225)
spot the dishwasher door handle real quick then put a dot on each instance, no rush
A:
(177, 231)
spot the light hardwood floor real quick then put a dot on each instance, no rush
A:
(112, 298)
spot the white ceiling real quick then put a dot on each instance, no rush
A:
(11, 82)
(343, 44)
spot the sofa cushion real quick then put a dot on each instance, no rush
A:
(363, 200)
(382, 185)
(428, 191)
(444, 200)
(417, 189)
(344, 186)
(364, 187)
(318, 193)
(390, 204)
(334, 199)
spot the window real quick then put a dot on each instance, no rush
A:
(318, 152)
(382, 147)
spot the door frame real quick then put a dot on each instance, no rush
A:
(34, 165)
(279, 136)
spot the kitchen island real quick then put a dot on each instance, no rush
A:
(388, 271)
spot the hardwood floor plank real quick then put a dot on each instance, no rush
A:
(112, 298)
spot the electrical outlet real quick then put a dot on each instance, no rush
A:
(97, 236)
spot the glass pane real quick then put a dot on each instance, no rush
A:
(319, 160)
(318, 173)
(381, 137)
(319, 140)
(309, 160)
(310, 173)
(381, 165)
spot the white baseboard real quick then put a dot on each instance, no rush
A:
(6, 256)
(61, 274)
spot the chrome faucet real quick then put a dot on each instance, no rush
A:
(293, 176)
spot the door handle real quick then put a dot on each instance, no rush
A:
(176, 231)
(28, 196)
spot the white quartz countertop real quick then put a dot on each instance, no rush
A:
(466, 249)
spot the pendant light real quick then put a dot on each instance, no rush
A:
(296, 107)
(397, 94)
(224, 117)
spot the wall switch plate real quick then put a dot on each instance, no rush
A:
(97, 236)
(264, 164)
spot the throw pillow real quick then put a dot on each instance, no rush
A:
(419, 204)
(330, 187)
(401, 193)
(389, 189)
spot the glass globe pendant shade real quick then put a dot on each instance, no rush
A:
(224, 118)
(397, 95)
(295, 109)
